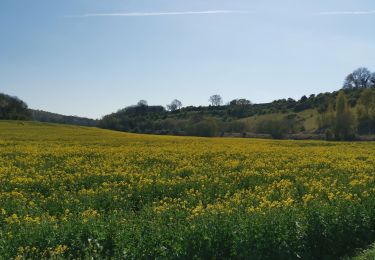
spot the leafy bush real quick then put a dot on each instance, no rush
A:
(205, 128)
(276, 128)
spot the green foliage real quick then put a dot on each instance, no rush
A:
(236, 126)
(279, 128)
(327, 119)
(345, 125)
(339, 122)
(276, 128)
(366, 112)
(368, 254)
(12, 108)
(230, 118)
(206, 128)
(43, 116)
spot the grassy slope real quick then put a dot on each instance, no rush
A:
(308, 116)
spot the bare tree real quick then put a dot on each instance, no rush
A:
(174, 105)
(242, 102)
(360, 78)
(216, 100)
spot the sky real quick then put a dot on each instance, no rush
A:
(93, 57)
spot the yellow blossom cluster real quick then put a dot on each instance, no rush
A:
(59, 178)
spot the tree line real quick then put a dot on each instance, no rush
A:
(343, 121)
(12, 108)
(342, 114)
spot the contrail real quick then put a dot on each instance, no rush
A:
(143, 14)
(346, 13)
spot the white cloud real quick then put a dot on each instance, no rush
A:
(345, 13)
(142, 14)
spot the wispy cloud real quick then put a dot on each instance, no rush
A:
(370, 12)
(142, 14)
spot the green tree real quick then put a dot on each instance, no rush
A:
(366, 112)
(345, 125)
(12, 108)
(207, 128)
(326, 119)
(276, 128)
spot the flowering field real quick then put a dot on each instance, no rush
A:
(80, 192)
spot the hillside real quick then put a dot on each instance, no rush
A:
(43, 116)
(75, 192)
(278, 118)
(308, 118)
(305, 118)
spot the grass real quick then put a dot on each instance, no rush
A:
(308, 118)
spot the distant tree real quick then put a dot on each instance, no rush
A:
(303, 104)
(303, 99)
(366, 112)
(373, 80)
(239, 107)
(207, 128)
(240, 102)
(276, 128)
(216, 100)
(43, 116)
(174, 105)
(360, 78)
(236, 126)
(13, 108)
(326, 120)
(345, 124)
(142, 102)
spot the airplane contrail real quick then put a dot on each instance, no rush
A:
(143, 14)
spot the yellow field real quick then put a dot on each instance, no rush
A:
(83, 192)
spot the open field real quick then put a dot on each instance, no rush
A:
(83, 192)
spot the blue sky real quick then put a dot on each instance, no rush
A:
(92, 57)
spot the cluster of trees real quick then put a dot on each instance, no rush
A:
(343, 114)
(279, 128)
(347, 118)
(339, 123)
(213, 120)
(12, 108)
(366, 112)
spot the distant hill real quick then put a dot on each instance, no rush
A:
(43, 116)
(238, 116)
(311, 116)
(13, 108)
